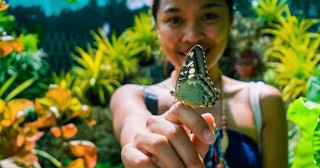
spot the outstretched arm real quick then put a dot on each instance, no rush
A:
(161, 140)
(274, 129)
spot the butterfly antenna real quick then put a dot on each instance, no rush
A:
(162, 85)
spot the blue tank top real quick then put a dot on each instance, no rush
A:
(242, 152)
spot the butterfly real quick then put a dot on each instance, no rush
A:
(193, 87)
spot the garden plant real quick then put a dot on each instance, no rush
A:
(292, 60)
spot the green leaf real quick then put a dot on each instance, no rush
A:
(20, 88)
(305, 115)
(314, 89)
(7, 84)
(316, 143)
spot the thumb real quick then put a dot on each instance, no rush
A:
(202, 148)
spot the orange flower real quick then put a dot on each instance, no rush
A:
(56, 132)
(68, 131)
(86, 150)
(8, 46)
(3, 6)
(5, 49)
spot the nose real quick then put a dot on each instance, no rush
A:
(194, 33)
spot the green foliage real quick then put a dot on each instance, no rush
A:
(108, 165)
(6, 21)
(30, 42)
(293, 55)
(99, 71)
(20, 57)
(305, 114)
(316, 144)
(118, 52)
(292, 59)
(109, 62)
(142, 35)
(27, 65)
(64, 80)
(271, 10)
(313, 92)
(17, 90)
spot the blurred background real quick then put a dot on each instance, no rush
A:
(63, 24)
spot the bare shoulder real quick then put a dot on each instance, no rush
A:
(272, 105)
(271, 97)
(269, 91)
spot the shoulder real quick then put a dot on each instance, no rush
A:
(270, 95)
(269, 91)
(272, 105)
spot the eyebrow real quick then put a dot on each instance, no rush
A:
(205, 6)
(211, 5)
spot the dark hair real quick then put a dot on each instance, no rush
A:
(156, 3)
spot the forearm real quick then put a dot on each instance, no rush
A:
(130, 125)
(129, 112)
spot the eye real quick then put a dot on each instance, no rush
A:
(210, 16)
(174, 20)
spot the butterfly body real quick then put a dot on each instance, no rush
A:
(194, 88)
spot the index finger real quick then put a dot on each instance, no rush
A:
(180, 114)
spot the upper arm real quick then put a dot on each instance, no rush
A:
(129, 112)
(274, 129)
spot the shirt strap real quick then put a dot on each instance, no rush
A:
(255, 91)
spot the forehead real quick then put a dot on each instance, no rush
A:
(176, 5)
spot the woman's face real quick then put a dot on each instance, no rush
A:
(183, 23)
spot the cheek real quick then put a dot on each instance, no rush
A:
(167, 37)
(219, 39)
(169, 44)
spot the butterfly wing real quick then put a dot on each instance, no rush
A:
(194, 87)
(194, 63)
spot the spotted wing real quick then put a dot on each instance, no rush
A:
(194, 87)
(194, 64)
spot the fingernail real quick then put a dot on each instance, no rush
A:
(208, 135)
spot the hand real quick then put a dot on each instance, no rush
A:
(167, 141)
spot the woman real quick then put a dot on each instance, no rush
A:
(179, 136)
